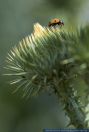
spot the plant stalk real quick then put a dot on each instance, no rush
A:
(72, 107)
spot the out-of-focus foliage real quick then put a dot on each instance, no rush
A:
(66, 5)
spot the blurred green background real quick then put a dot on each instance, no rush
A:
(17, 18)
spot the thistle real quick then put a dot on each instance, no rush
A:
(51, 58)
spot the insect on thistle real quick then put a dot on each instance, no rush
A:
(55, 22)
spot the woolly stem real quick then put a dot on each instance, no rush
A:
(76, 114)
(72, 106)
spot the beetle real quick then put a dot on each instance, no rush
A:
(55, 22)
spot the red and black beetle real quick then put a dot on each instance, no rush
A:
(55, 22)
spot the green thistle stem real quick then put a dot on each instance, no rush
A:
(72, 106)
(75, 113)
